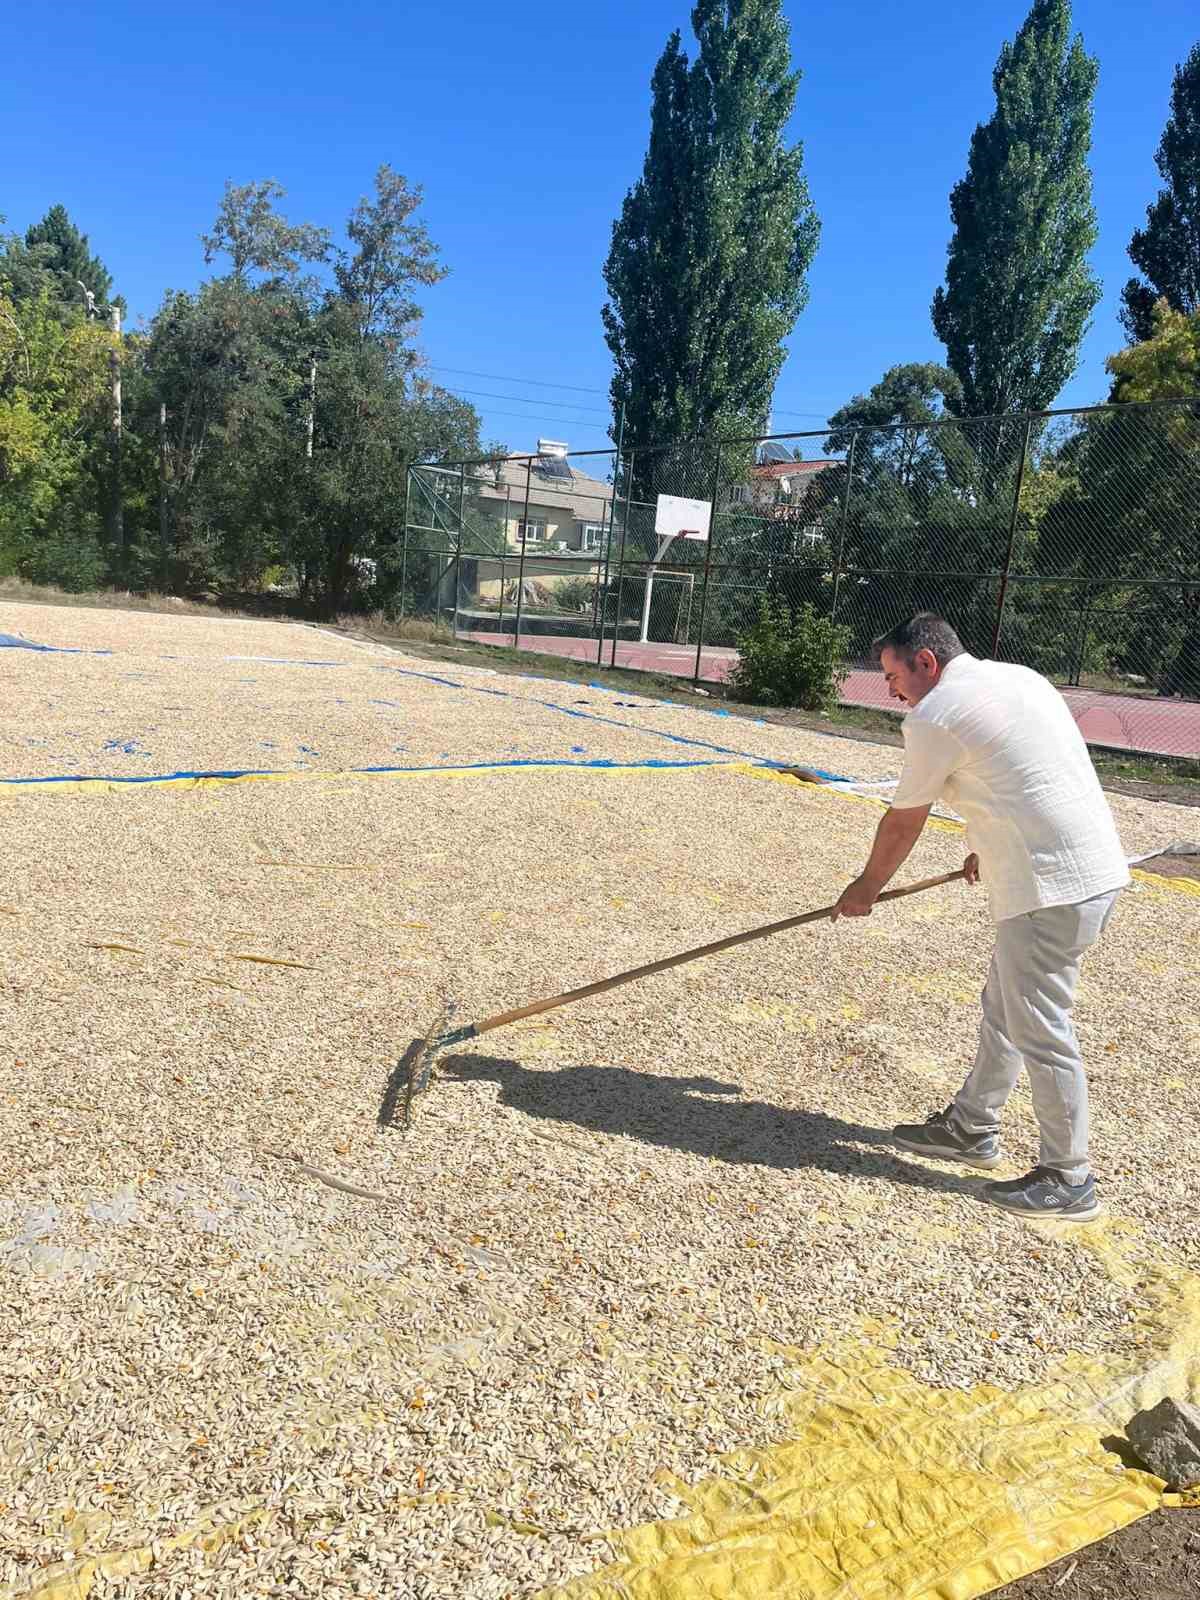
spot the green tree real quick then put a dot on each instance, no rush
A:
(229, 363)
(253, 234)
(392, 255)
(1166, 364)
(53, 256)
(291, 415)
(1019, 294)
(53, 387)
(892, 421)
(706, 274)
(922, 522)
(64, 252)
(1167, 250)
(270, 416)
(1124, 522)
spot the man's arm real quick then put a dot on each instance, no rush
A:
(898, 831)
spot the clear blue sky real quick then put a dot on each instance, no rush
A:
(525, 129)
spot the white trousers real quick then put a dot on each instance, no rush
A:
(1027, 1005)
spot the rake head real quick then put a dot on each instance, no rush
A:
(420, 1058)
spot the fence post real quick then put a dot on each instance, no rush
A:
(524, 530)
(503, 549)
(404, 539)
(1012, 537)
(708, 549)
(621, 559)
(603, 568)
(1085, 622)
(462, 495)
(608, 541)
(842, 521)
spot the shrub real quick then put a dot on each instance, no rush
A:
(791, 657)
(574, 594)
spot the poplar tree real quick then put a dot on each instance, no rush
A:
(1019, 293)
(706, 275)
(1167, 250)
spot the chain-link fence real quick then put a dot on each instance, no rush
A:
(1069, 541)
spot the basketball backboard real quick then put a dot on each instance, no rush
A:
(676, 517)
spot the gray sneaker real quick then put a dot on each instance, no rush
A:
(1045, 1193)
(941, 1137)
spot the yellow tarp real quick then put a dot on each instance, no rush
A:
(889, 1490)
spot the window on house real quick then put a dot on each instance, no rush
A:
(739, 495)
(531, 532)
(593, 536)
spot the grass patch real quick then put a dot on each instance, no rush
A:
(1181, 771)
(19, 592)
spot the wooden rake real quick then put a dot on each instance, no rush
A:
(415, 1068)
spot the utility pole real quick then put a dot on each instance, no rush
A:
(312, 407)
(116, 514)
(163, 515)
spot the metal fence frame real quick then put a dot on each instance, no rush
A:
(995, 523)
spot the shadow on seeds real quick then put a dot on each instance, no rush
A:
(696, 1116)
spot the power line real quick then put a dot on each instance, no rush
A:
(529, 400)
(575, 388)
(500, 377)
(530, 416)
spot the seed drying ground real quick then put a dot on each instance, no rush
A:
(581, 1264)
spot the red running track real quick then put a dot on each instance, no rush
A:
(1124, 722)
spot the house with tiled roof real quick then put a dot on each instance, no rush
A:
(548, 502)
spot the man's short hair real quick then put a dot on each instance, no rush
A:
(925, 631)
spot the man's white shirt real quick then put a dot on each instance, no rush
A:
(999, 745)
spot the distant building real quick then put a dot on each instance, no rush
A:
(779, 483)
(567, 512)
(784, 492)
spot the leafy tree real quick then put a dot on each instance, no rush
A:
(923, 521)
(270, 415)
(369, 420)
(370, 425)
(53, 386)
(290, 415)
(392, 254)
(706, 271)
(892, 422)
(1124, 521)
(253, 234)
(1166, 364)
(229, 363)
(1167, 250)
(1019, 294)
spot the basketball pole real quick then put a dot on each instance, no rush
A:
(664, 546)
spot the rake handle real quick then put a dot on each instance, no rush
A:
(651, 967)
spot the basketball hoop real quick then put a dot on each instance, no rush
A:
(676, 517)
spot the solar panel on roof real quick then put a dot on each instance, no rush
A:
(773, 452)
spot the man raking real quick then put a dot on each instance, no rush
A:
(999, 745)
